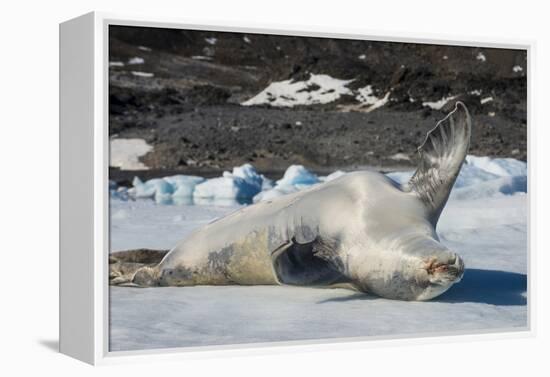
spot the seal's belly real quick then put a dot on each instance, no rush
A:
(245, 261)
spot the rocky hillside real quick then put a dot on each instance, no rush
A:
(207, 101)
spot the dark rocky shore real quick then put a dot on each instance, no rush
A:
(187, 105)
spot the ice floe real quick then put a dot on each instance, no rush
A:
(483, 177)
(479, 177)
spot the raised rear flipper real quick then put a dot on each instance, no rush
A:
(441, 157)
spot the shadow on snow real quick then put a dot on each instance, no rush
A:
(477, 286)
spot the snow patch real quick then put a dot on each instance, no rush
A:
(116, 64)
(211, 41)
(201, 57)
(366, 97)
(481, 57)
(247, 40)
(438, 105)
(318, 89)
(142, 74)
(400, 157)
(485, 100)
(144, 48)
(136, 60)
(517, 68)
(125, 153)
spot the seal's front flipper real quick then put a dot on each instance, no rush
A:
(123, 265)
(306, 264)
(441, 157)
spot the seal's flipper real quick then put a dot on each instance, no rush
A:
(309, 263)
(145, 256)
(123, 265)
(441, 157)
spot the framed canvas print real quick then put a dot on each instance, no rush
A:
(224, 187)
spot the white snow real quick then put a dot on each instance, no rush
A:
(400, 157)
(318, 89)
(476, 92)
(517, 68)
(483, 177)
(482, 222)
(499, 166)
(125, 153)
(201, 57)
(145, 48)
(438, 105)
(362, 57)
(366, 97)
(116, 64)
(142, 74)
(136, 60)
(246, 39)
(483, 101)
(211, 41)
(481, 57)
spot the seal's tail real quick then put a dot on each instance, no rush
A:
(123, 265)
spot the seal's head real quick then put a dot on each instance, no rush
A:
(420, 270)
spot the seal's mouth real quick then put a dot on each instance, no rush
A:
(447, 272)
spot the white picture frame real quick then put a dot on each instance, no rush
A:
(84, 197)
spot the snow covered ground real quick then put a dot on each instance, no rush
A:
(125, 153)
(485, 221)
